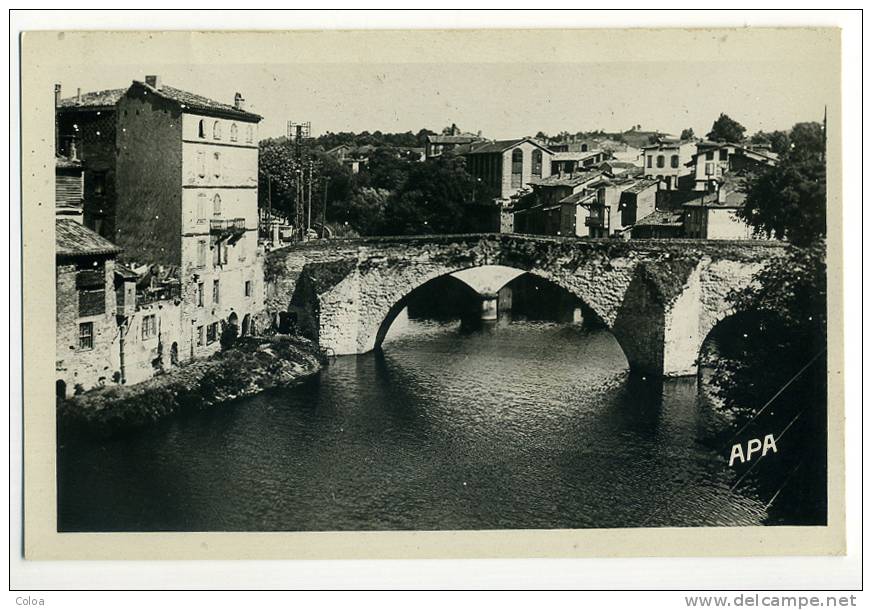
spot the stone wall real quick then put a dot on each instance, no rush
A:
(660, 298)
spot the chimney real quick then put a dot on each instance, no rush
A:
(57, 95)
(239, 101)
(79, 95)
(153, 81)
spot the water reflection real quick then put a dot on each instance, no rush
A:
(529, 425)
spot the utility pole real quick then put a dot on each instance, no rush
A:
(309, 218)
(300, 135)
(324, 208)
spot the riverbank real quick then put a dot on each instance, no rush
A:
(251, 366)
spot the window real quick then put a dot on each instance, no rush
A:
(722, 154)
(234, 132)
(219, 254)
(674, 161)
(216, 130)
(201, 164)
(202, 129)
(537, 163)
(86, 335)
(200, 290)
(201, 208)
(212, 333)
(216, 165)
(661, 161)
(98, 181)
(216, 291)
(201, 336)
(517, 167)
(201, 253)
(216, 205)
(149, 326)
(709, 155)
(249, 134)
(91, 287)
(248, 288)
(92, 302)
(650, 160)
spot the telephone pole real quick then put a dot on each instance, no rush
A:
(301, 135)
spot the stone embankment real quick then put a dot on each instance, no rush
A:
(251, 366)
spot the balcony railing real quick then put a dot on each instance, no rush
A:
(593, 221)
(227, 227)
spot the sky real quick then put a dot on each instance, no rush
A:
(502, 100)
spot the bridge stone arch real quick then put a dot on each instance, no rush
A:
(660, 298)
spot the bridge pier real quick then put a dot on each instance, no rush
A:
(489, 306)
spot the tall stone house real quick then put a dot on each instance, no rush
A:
(173, 180)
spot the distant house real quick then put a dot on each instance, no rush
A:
(667, 160)
(713, 160)
(341, 152)
(582, 205)
(508, 165)
(616, 167)
(440, 144)
(714, 215)
(659, 224)
(85, 349)
(571, 162)
(638, 200)
(603, 217)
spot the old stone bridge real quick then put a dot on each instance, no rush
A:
(660, 298)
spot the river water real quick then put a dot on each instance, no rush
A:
(521, 425)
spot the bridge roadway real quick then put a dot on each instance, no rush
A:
(660, 298)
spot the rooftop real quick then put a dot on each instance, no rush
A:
(579, 197)
(760, 155)
(74, 239)
(568, 180)
(461, 139)
(641, 185)
(661, 218)
(575, 155)
(93, 100)
(198, 103)
(498, 146)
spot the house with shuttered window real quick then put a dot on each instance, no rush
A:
(86, 335)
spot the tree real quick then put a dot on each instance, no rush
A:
(385, 169)
(774, 355)
(789, 200)
(778, 141)
(363, 211)
(433, 199)
(725, 128)
(276, 176)
(421, 136)
(687, 134)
